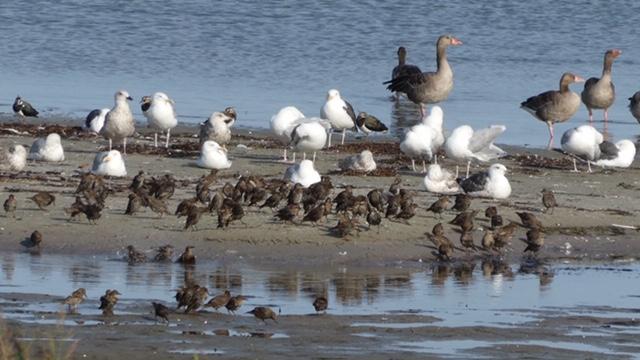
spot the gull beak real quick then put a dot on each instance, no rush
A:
(129, 98)
(170, 101)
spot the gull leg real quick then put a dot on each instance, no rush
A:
(457, 171)
(155, 139)
(110, 144)
(589, 165)
(124, 146)
(314, 156)
(168, 136)
(304, 156)
(590, 116)
(468, 166)
(436, 159)
(330, 133)
(424, 167)
(413, 165)
(344, 132)
(421, 111)
(606, 116)
(550, 145)
(294, 157)
(575, 168)
(285, 155)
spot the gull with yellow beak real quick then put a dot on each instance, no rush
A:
(160, 113)
(109, 163)
(339, 113)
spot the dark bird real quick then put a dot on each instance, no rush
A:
(161, 311)
(165, 253)
(503, 235)
(548, 200)
(534, 240)
(216, 201)
(93, 212)
(33, 241)
(600, 93)
(273, 201)
(257, 195)
(529, 220)
(634, 105)
(374, 218)
(134, 204)
(165, 187)
(393, 206)
(440, 205)
(462, 202)
(185, 294)
(76, 297)
(75, 209)
(288, 213)
(197, 300)
(10, 206)
(23, 109)
(184, 206)
(156, 205)
(234, 303)
(490, 212)
(369, 123)
(407, 212)
(219, 301)
(394, 188)
(317, 213)
(320, 304)
(404, 69)
(138, 181)
(108, 301)
(488, 240)
(345, 199)
(230, 211)
(344, 227)
(134, 256)
(464, 220)
(263, 313)
(43, 199)
(496, 221)
(187, 256)
(466, 240)
(428, 87)
(193, 217)
(145, 103)
(554, 106)
(376, 199)
(437, 229)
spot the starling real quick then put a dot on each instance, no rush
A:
(345, 199)
(164, 253)
(93, 212)
(258, 195)
(187, 256)
(394, 189)
(548, 200)
(134, 256)
(157, 206)
(288, 213)
(184, 206)
(75, 209)
(529, 220)
(393, 206)
(440, 205)
(438, 229)
(197, 300)
(534, 241)
(43, 199)
(234, 303)
(466, 240)
(34, 241)
(445, 251)
(75, 299)
(134, 204)
(10, 206)
(496, 221)
(184, 295)
(272, 201)
(407, 211)
(263, 313)
(360, 206)
(315, 214)
(502, 236)
(138, 182)
(464, 220)
(344, 227)
(161, 311)
(320, 304)
(108, 301)
(165, 187)
(490, 212)
(216, 201)
(193, 217)
(462, 202)
(376, 199)
(219, 301)
(374, 218)
(488, 240)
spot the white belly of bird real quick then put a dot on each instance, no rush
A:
(161, 116)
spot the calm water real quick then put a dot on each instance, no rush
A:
(69, 56)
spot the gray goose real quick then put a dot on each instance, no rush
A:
(554, 106)
(600, 93)
(634, 105)
(428, 87)
(404, 69)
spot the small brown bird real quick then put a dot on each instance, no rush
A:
(187, 256)
(464, 220)
(394, 188)
(197, 300)
(376, 199)
(503, 235)
(43, 199)
(193, 217)
(156, 205)
(234, 303)
(273, 201)
(93, 212)
(490, 212)
(462, 202)
(161, 311)
(138, 181)
(219, 301)
(164, 253)
(440, 205)
(216, 201)
(374, 218)
(534, 240)
(407, 211)
(10, 206)
(33, 241)
(321, 304)
(263, 313)
(134, 256)
(466, 240)
(344, 227)
(75, 209)
(108, 301)
(488, 240)
(134, 204)
(438, 229)
(548, 200)
(393, 206)
(76, 297)
(496, 221)
(184, 206)
(445, 251)
(316, 214)
(288, 213)
(529, 220)
(184, 295)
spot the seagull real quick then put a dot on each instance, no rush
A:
(369, 123)
(160, 114)
(339, 113)
(14, 158)
(47, 149)
(620, 154)
(217, 128)
(109, 163)
(213, 156)
(119, 123)
(440, 181)
(423, 140)
(24, 109)
(309, 135)
(491, 183)
(281, 125)
(584, 142)
(302, 173)
(360, 162)
(95, 120)
(466, 144)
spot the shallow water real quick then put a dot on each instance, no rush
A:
(69, 56)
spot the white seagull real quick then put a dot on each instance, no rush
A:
(439, 180)
(14, 158)
(95, 120)
(302, 173)
(109, 163)
(161, 115)
(213, 156)
(47, 149)
(119, 123)
(217, 128)
(584, 142)
(360, 162)
(422, 141)
(309, 134)
(492, 183)
(339, 113)
(620, 154)
(466, 144)
(281, 125)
